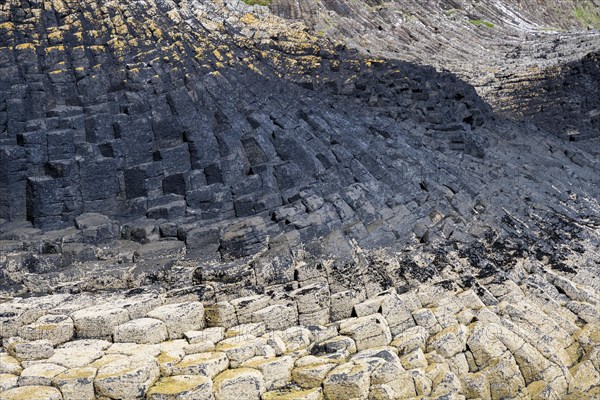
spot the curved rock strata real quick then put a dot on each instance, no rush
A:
(530, 60)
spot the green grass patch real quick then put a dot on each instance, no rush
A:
(550, 29)
(587, 16)
(257, 2)
(481, 22)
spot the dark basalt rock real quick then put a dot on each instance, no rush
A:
(252, 140)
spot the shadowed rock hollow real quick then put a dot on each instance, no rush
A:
(307, 200)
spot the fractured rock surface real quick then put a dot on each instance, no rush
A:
(491, 340)
(204, 200)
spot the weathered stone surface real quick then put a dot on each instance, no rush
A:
(239, 349)
(130, 377)
(310, 394)
(57, 329)
(212, 335)
(383, 362)
(310, 371)
(8, 381)
(39, 374)
(369, 331)
(450, 340)
(79, 353)
(347, 381)
(99, 321)
(76, 383)
(246, 306)
(180, 318)
(9, 364)
(295, 338)
(141, 331)
(414, 359)
(411, 339)
(240, 383)
(277, 316)
(334, 345)
(182, 387)
(27, 351)
(313, 304)
(32, 392)
(253, 328)
(277, 372)
(204, 364)
(221, 315)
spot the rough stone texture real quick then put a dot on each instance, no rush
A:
(129, 377)
(32, 392)
(277, 372)
(40, 374)
(182, 387)
(204, 364)
(57, 329)
(76, 383)
(348, 381)
(9, 365)
(152, 168)
(98, 322)
(241, 383)
(311, 394)
(517, 345)
(8, 381)
(369, 331)
(28, 351)
(180, 318)
(141, 330)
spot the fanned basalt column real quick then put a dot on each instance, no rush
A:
(519, 55)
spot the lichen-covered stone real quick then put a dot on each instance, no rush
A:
(277, 316)
(221, 314)
(28, 351)
(127, 378)
(79, 353)
(9, 364)
(31, 392)
(99, 321)
(450, 341)
(141, 331)
(347, 381)
(239, 349)
(310, 371)
(203, 364)
(76, 383)
(240, 383)
(8, 381)
(277, 372)
(585, 377)
(40, 374)
(414, 359)
(181, 387)
(295, 338)
(410, 339)
(253, 328)
(57, 329)
(310, 394)
(180, 317)
(213, 335)
(369, 331)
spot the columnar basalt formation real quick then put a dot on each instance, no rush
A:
(529, 338)
(525, 58)
(211, 200)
